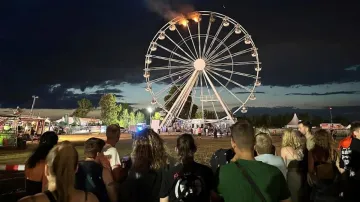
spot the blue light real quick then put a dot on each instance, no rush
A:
(139, 128)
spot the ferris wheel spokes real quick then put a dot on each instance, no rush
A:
(212, 103)
(230, 117)
(192, 40)
(171, 84)
(206, 38)
(232, 55)
(199, 38)
(150, 82)
(184, 42)
(221, 43)
(227, 48)
(168, 59)
(234, 64)
(213, 41)
(189, 85)
(234, 82)
(173, 52)
(226, 88)
(233, 72)
(177, 45)
(168, 67)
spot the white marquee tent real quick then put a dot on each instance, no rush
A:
(293, 123)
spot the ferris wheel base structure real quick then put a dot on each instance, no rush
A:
(202, 63)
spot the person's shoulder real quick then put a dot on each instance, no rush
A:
(91, 197)
(37, 197)
(203, 168)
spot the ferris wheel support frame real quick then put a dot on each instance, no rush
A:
(181, 100)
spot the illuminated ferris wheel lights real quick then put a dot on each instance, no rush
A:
(237, 29)
(247, 40)
(148, 61)
(153, 102)
(172, 27)
(147, 74)
(244, 109)
(226, 22)
(252, 97)
(254, 54)
(257, 83)
(162, 36)
(212, 19)
(258, 68)
(148, 89)
(153, 47)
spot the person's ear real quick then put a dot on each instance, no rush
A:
(233, 145)
(47, 172)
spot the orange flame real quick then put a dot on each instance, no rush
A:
(195, 17)
(184, 22)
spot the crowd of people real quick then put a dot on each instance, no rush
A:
(249, 170)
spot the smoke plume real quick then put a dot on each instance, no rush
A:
(169, 10)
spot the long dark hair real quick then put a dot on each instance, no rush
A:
(47, 141)
(149, 152)
(186, 148)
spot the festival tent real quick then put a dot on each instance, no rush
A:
(293, 123)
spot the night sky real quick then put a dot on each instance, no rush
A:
(65, 50)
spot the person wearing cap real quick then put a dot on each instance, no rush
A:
(36, 182)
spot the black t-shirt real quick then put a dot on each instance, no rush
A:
(139, 187)
(350, 157)
(175, 183)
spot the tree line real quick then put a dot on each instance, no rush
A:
(111, 111)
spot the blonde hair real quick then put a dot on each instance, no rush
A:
(62, 163)
(290, 139)
(262, 130)
(263, 144)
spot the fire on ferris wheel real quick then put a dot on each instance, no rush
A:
(206, 56)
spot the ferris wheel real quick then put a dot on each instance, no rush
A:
(204, 59)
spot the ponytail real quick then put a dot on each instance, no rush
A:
(62, 162)
(186, 148)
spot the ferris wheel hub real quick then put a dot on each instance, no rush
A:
(199, 64)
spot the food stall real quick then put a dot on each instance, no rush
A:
(8, 131)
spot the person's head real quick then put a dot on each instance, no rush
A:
(148, 152)
(263, 144)
(47, 141)
(113, 134)
(324, 145)
(355, 129)
(291, 139)
(186, 148)
(60, 168)
(262, 130)
(305, 127)
(242, 137)
(93, 147)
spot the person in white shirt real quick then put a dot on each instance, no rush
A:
(110, 152)
(265, 154)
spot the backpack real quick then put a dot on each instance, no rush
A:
(221, 157)
(188, 187)
(89, 179)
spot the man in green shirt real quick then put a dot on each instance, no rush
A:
(266, 183)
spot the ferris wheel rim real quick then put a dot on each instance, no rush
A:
(176, 20)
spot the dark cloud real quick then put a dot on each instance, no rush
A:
(105, 91)
(103, 43)
(257, 92)
(328, 93)
(351, 112)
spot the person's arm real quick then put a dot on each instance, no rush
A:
(165, 186)
(109, 184)
(166, 199)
